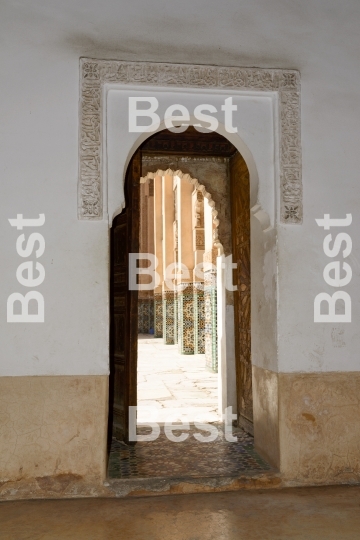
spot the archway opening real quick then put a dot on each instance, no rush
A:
(206, 171)
(177, 346)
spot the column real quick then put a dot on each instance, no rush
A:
(142, 326)
(210, 296)
(169, 311)
(186, 330)
(198, 240)
(151, 250)
(158, 251)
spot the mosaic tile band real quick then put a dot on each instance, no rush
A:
(164, 458)
(187, 318)
(146, 322)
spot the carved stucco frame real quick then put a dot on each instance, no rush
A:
(95, 73)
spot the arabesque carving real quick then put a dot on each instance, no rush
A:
(95, 73)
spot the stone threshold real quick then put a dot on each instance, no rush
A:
(69, 486)
(149, 487)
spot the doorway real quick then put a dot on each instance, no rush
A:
(177, 356)
(204, 154)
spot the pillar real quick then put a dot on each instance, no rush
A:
(169, 296)
(210, 295)
(158, 251)
(185, 285)
(146, 245)
(198, 241)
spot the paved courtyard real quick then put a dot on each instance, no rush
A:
(176, 387)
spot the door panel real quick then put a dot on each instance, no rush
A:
(124, 238)
(240, 221)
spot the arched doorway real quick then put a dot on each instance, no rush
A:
(235, 303)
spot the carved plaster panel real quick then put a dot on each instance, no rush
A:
(95, 73)
(150, 158)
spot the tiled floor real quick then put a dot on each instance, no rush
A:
(165, 458)
(173, 386)
(178, 388)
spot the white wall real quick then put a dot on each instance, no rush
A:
(41, 45)
(253, 119)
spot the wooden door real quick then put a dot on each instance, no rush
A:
(123, 307)
(240, 222)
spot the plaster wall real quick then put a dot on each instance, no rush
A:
(39, 60)
(256, 137)
(39, 109)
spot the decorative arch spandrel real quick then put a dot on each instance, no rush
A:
(95, 73)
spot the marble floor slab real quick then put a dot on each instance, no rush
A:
(326, 513)
(173, 386)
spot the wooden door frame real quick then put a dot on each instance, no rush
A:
(123, 375)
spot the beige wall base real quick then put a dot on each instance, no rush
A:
(53, 430)
(320, 427)
(266, 415)
(308, 425)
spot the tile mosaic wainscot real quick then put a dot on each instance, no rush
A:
(199, 321)
(146, 322)
(186, 324)
(210, 314)
(158, 315)
(169, 311)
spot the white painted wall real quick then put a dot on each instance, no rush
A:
(255, 139)
(39, 58)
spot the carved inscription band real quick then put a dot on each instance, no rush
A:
(94, 73)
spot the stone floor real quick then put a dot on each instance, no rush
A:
(174, 386)
(331, 513)
(189, 458)
(178, 388)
